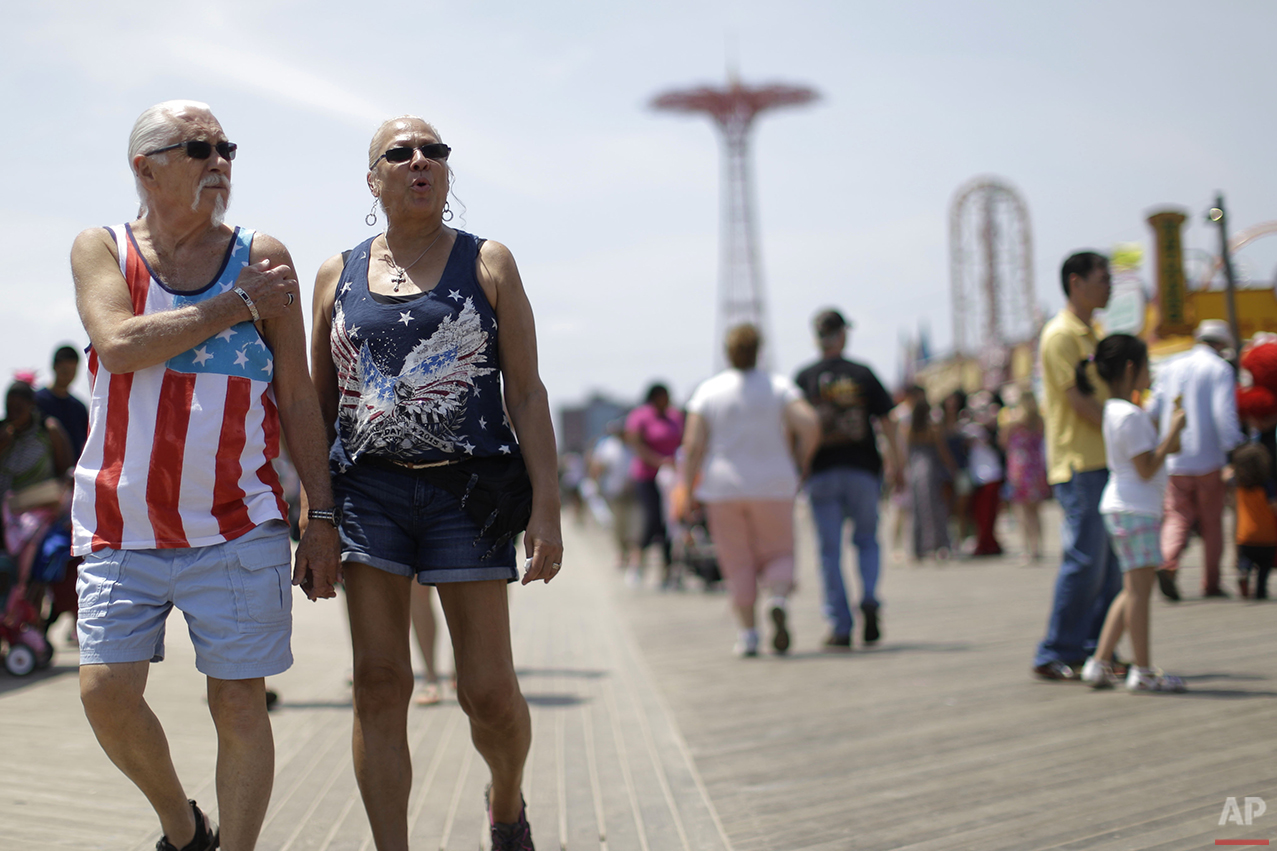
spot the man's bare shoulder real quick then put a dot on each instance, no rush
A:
(267, 247)
(93, 240)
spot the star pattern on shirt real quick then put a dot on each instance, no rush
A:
(352, 331)
(241, 359)
(454, 295)
(270, 365)
(405, 317)
(346, 288)
(468, 447)
(201, 355)
(483, 424)
(227, 334)
(505, 449)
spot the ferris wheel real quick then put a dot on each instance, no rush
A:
(991, 270)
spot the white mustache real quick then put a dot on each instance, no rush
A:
(216, 180)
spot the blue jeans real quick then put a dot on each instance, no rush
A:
(1089, 576)
(837, 495)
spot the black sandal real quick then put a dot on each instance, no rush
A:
(207, 836)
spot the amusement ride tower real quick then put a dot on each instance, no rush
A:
(733, 109)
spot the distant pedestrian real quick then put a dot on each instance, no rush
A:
(987, 473)
(930, 464)
(1022, 437)
(753, 434)
(1132, 508)
(846, 474)
(610, 464)
(1089, 578)
(1256, 520)
(1206, 384)
(56, 400)
(654, 431)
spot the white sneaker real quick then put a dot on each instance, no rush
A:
(1098, 674)
(746, 643)
(1153, 679)
(634, 577)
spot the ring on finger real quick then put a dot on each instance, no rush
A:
(290, 300)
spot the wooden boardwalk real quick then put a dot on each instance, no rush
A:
(650, 735)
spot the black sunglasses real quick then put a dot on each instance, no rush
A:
(199, 149)
(434, 151)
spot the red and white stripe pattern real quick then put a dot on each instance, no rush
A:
(180, 454)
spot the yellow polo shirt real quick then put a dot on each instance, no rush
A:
(1073, 444)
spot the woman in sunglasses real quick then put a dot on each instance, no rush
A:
(431, 481)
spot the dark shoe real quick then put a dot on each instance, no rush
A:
(837, 643)
(207, 836)
(780, 640)
(1166, 581)
(872, 633)
(1056, 671)
(1243, 586)
(509, 837)
(1217, 593)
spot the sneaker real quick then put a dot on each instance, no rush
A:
(746, 643)
(872, 631)
(1099, 674)
(1055, 670)
(1166, 581)
(780, 639)
(509, 837)
(207, 836)
(836, 643)
(1152, 679)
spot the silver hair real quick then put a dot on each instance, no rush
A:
(155, 128)
(375, 152)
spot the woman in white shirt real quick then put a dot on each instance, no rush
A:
(754, 434)
(1131, 505)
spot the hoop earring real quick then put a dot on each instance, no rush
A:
(447, 212)
(371, 218)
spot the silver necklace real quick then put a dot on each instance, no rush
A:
(399, 274)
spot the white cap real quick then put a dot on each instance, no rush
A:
(1214, 331)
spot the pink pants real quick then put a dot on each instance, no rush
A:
(754, 540)
(1189, 500)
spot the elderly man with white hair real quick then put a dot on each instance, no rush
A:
(1204, 383)
(198, 365)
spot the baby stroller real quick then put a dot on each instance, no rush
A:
(694, 549)
(38, 545)
(22, 640)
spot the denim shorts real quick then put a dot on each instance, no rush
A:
(1136, 539)
(400, 523)
(237, 598)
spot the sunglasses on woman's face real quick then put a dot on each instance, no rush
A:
(200, 149)
(434, 151)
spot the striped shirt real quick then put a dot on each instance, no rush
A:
(179, 454)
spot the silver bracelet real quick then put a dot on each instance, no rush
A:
(248, 302)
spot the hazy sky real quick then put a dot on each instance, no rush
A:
(1097, 111)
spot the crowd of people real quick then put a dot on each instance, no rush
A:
(1138, 457)
(422, 443)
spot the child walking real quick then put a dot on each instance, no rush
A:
(1256, 523)
(1132, 508)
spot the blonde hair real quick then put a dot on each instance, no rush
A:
(742, 343)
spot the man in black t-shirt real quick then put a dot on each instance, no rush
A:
(846, 474)
(57, 401)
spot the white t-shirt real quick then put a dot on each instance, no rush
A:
(747, 456)
(1129, 431)
(614, 457)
